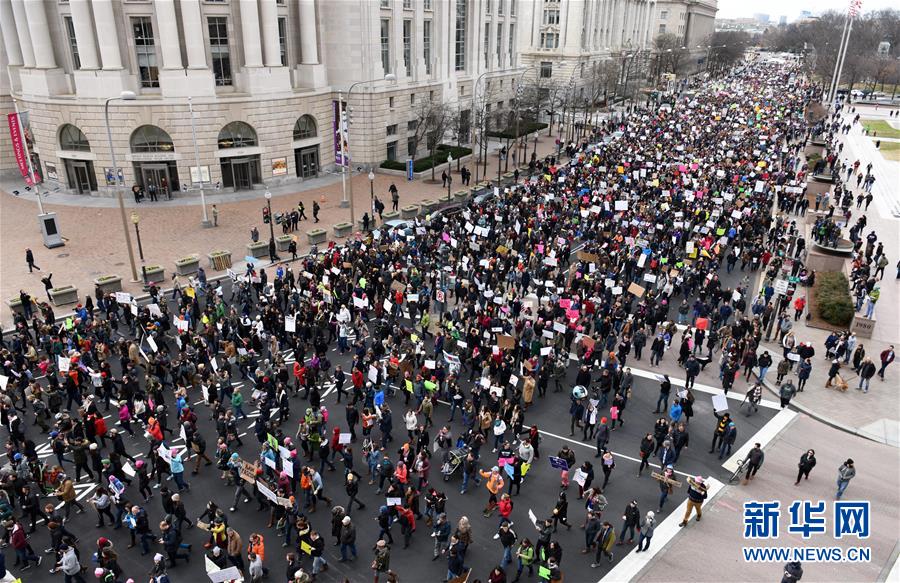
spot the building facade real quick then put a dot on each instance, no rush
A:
(569, 39)
(245, 93)
(692, 21)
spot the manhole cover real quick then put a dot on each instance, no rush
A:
(62, 255)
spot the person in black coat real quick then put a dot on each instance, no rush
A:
(793, 572)
(631, 518)
(807, 463)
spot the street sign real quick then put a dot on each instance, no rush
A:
(409, 169)
(781, 287)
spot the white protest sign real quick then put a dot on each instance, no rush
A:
(290, 324)
(720, 402)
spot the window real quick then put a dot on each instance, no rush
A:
(305, 127)
(551, 16)
(411, 125)
(487, 45)
(427, 4)
(145, 51)
(411, 147)
(426, 45)
(407, 46)
(512, 7)
(512, 44)
(500, 43)
(431, 95)
(151, 139)
(73, 44)
(546, 69)
(219, 50)
(464, 125)
(462, 16)
(385, 3)
(391, 102)
(407, 4)
(663, 14)
(412, 98)
(499, 7)
(73, 139)
(391, 130)
(282, 39)
(386, 44)
(391, 151)
(237, 134)
(549, 40)
(487, 6)
(662, 29)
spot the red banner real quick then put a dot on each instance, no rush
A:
(18, 144)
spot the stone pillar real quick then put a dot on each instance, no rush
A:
(194, 39)
(309, 47)
(107, 35)
(10, 34)
(269, 22)
(84, 34)
(39, 29)
(167, 33)
(250, 33)
(18, 8)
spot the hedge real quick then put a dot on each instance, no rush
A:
(423, 164)
(832, 293)
(524, 128)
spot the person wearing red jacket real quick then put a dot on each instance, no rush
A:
(24, 552)
(505, 507)
(407, 524)
(100, 429)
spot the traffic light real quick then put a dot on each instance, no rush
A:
(266, 218)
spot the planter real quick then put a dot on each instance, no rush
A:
(343, 229)
(428, 207)
(258, 249)
(391, 215)
(461, 195)
(220, 260)
(64, 295)
(187, 265)
(155, 273)
(409, 211)
(282, 241)
(316, 236)
(108, 284)
(15, 306)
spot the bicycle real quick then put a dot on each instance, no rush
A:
(737, 471)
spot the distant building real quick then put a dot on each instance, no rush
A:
(782, 20)
(761, 18)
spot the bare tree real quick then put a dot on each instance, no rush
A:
(432, 120)
(671, 56)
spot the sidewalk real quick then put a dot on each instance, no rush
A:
(717, 541)
(95, 246)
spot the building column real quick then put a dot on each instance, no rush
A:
(194, 39)
(18, 9)
(39, 29)
(84, 34)
(10, 34)
(269, 22)
(107, 35)
(169, 43)
(250, 33)
(309, 47)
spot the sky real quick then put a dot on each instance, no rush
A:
(776, 8)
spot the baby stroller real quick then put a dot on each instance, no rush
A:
(453, 459)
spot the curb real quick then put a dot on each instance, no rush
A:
(828, 420)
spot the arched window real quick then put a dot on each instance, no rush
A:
(151, 139)
(237, 134)
(72, 138)
(305, 128)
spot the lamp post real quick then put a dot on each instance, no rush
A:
(372, 192)
(205, 223)
(136, 219)
(344, 129)
(449, 171)
(271, 217)
(120, 179)
(483, 121)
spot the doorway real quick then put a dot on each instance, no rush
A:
(80, 175)
(306, 161)
(240, 173)
(156, 175)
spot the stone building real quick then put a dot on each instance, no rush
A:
(264, 79)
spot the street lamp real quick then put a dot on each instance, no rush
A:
(120, 179)
(271, 217)
(344, 128)
(136, 219)
(449, 171)
(205, 222)
(372, 192)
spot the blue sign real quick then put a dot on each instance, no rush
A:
(559, 463)
(409, 169)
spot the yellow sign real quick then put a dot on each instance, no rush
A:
(305, 547)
